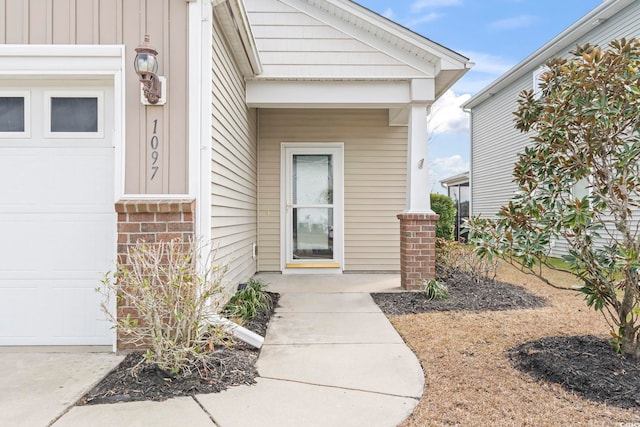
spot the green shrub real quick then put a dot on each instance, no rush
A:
(435, 289)
(171, 301)
(446, 208)
(248, 302)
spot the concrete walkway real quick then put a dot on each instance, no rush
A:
(330, 358)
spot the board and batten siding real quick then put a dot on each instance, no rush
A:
(293, 44)
(123, 22)
(233, 168)
(495, 141)
(375, 168)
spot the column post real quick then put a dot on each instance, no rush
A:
(417, 161)
(418, 221)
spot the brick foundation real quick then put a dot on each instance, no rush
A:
(151, 221)
(417, 248)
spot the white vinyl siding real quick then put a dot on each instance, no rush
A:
(294, 44)
(495, 141)
(375, 157)
(495, 147)
(234, 176)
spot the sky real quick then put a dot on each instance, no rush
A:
(495, 35)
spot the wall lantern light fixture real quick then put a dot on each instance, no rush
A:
(146, 65)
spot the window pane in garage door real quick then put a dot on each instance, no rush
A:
(74, 114)
(11, 114)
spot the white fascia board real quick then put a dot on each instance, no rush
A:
(232, 16)
(555, 46)
(450, 58)
(423, 90)
(327, 94)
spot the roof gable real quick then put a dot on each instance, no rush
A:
(341, 40)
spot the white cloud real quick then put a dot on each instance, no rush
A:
(487, 63)
(447, 116)
(444, 167)
(422, 19)
(513, 23)
(485, 70)
(389, 14)
(423, 4)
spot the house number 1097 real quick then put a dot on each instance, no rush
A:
(154, 151)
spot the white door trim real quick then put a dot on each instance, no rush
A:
(287, 149)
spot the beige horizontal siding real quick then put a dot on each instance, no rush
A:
(294, 44)
(375, 180)
(233, 168)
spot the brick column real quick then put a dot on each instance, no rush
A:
(151, 221)
(417, 248)
(154, 221)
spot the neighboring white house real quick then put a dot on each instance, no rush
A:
(293, 136)
(495, 143)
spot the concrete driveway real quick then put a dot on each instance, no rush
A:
(37, 388)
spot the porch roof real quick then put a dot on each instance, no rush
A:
(308, 47)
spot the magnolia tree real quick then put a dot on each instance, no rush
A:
(579, 183)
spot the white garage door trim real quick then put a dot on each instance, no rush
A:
(50, 62)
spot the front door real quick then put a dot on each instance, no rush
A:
(313, 208)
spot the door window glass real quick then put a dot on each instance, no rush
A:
(312, 206)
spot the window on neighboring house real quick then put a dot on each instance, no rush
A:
(14, 114)
(581, 189)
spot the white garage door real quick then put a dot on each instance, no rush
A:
(57, 220)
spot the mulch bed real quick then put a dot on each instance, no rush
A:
(585, 365)
(233, 366)
(464, 295)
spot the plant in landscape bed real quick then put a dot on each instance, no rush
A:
(167, 302)
(435, 289)
(579, 183)
(249, 301)
(453, 258)
(214, 361)
(446, 208)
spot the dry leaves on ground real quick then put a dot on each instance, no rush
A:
(470, 381)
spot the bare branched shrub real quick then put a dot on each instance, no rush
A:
(163, 303)
(454, 257)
